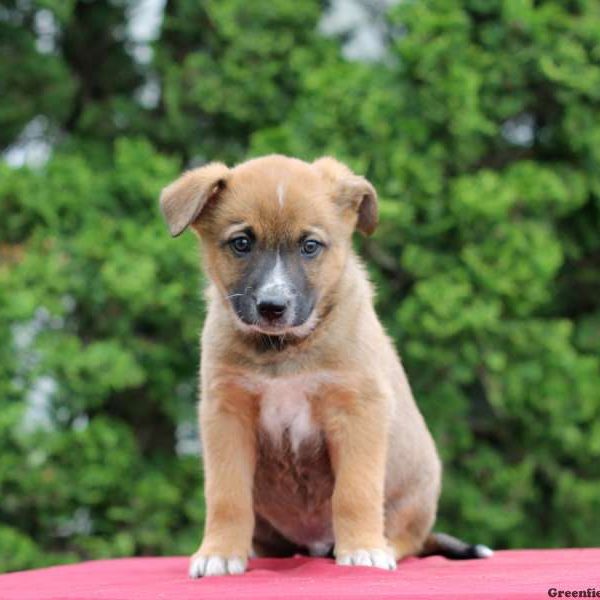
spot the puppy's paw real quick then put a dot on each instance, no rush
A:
(202, 565)
(379, 558)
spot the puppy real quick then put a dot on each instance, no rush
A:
(312, 441)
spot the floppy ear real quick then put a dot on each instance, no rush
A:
(182, 201)
(351, 191)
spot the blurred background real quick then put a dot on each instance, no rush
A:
(479, 123)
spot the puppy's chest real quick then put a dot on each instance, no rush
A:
(285, 408)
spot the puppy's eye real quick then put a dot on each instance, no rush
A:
(310, 248)
(241, 244)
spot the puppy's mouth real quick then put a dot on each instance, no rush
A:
(282, 330)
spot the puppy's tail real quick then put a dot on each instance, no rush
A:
(445, 545)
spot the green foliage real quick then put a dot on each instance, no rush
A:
(480, 128)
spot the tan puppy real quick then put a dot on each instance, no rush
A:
(312, 441)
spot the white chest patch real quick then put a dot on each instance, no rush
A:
(285, 406)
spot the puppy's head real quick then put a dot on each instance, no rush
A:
(276, 233)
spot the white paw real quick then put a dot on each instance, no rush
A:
(204, 566)
(381, 559)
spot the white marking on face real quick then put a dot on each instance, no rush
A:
(276, 280)
(281, 194)
(276, 284)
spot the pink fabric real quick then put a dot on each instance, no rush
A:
(509, 574)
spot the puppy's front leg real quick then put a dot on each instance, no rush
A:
(227, 426)
(357, 432)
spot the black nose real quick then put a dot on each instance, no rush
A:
(271, 310)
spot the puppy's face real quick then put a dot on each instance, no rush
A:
(275, 233)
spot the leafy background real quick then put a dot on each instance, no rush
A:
(479, 123)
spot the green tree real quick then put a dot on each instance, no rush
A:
(479, 128)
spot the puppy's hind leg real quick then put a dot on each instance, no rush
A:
(408, 528)
(408, 522)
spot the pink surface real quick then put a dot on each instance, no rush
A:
(509, 574)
